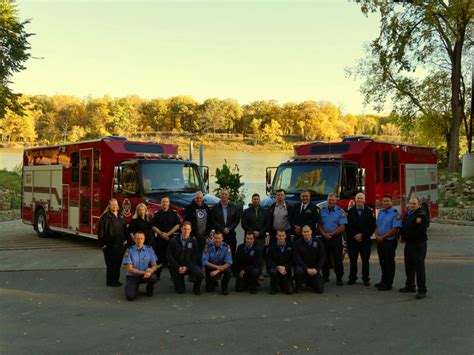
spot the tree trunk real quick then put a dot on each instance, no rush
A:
(456, 108)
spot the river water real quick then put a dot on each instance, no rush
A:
(251, 165)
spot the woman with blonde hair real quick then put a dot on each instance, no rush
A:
(112, 235)
(140, 223)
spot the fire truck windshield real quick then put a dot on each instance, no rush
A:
(159, 176)
(318, 178)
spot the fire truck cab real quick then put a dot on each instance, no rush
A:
(67, 187)
(359, 164)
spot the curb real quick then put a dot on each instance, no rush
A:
(453, 221)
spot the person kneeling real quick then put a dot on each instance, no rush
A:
(140, 261)
(308, 259)
(217, 260)
(248, 264)
(279, 260)
(183, 255)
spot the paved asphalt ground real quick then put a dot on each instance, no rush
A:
(53, 299)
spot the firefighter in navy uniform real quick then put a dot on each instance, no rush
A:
(333, 220)
(217, 262)
(360, 227)
(413, 234)
(387, 228)
(279, 261)
(183, 254)
(165, 223)
(305, 213)
(308, 261)
(248, 264)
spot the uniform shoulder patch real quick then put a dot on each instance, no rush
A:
(343, 214)
(228, 250)
(419, 220)
(126, 253)
(398, 217)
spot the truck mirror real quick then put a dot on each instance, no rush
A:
(268, 179)
(361, 180)
(205, 176)
(117, 180)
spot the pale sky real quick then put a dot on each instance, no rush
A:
(247, 50)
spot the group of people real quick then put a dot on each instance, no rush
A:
(297, 244)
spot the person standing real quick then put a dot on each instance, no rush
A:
(360, 227)
(332, 224)
(413, 234)
(225, 218)
(112, 235)
(305, 213)
(140, 261)
(281, 214)
(387, 228)
(165, 223)
(255, 219)
(217, 262)
(183, 255)
(279, 261)
(140, 222)
(308, 260)
(248, 264)
(199, 214)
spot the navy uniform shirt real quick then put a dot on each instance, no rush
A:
(387, 220)
(331, 219)
(217, 256)
(140, 259)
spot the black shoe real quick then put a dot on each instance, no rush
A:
(378, 284)
(149, 293)
(273, 292)
(420, 295)
(225, 292)
(383, 287)
(367, 283)
(114, 284)
(253, 292)
(297, 290)
(407, 290)
(339, 282)
(119, 283)
(197, 292)
(351, 282)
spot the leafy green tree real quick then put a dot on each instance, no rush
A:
(14, 51)
(418, 36)
(182, 111)
(230, 179)
(154, 114)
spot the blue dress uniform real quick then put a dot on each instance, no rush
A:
(280, 255)
(141, 260)
(387, 220)
(184, 252)
(249, 259)
(330, 220)
(217, 256)
(308, 255)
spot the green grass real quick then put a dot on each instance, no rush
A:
(10, 181)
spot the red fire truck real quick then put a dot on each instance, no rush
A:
(359, 164)
(67, 187)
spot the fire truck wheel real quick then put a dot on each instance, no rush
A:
(41, 223)
(426, 211)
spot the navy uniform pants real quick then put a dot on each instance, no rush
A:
(315, 282)
(113, 261)
(386, 251)
(278, 280)
(133, 283)
(249, 281)
(194, 272)
(333, 249)
(355, 249)
(415, 264)
(211, 281)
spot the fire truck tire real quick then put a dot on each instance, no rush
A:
(41, 223)
(426, 211)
